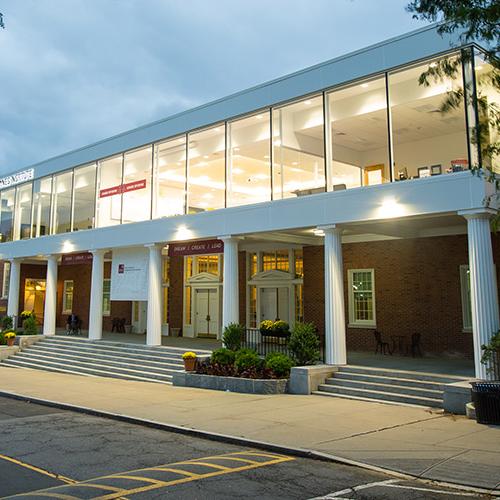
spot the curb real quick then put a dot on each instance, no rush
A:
(225, 438)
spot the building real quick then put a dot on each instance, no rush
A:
(340, 194)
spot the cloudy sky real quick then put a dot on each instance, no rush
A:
(76, 71)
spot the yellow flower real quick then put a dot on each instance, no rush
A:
(189, 355)
(9, 335)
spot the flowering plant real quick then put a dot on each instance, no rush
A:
(189, 355)
(9, 335)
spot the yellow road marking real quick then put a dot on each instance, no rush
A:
(53, 495)
(64, 479)
(99, 486)
(273, 459)
(205, 464)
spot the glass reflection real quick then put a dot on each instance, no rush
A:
(84, 197)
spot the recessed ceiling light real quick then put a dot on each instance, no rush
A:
(295, 162)
(236, 149)
(266, 157)
(308, 102)
(259, 117)
(205, 156)
(364, 85)
(237, 170)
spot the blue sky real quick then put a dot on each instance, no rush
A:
(76, 71)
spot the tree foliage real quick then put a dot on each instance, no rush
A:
(2, 25)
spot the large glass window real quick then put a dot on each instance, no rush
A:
(68, 287)
(466, 297)
(249, 164)
(23, 212)
(206, 170)
(298, 149)
(7, 198)
(84, 197)
(276, 260)
(137, 185)
(42, 195)
(106, 297)
(428, 136)
(109, 202)
(63, 186)
(488, 98)
(358, 135)
(169, 190)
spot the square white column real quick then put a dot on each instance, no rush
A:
(153, 328)
(96, 295)
(14, 285)
(49, 314)
(230, 287)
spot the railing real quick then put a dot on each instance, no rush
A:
(264, 344)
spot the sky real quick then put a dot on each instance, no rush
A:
(73, 72)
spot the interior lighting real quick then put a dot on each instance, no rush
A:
(67, 247)
(183, 233)
(318, 232)
(237, 170)
(433, 65)
(364, 85)
(308, 102)
(390, 208)
(259, 117)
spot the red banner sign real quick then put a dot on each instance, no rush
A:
(76, 258)
(122, 188)
(195, 247)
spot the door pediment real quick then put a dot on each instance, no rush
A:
(272, 275)
(204, 278)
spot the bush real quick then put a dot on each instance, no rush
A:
(281, 328)
(29, 326)
(247, 359)
(304, 344)
(3, 341)
(279, 363)
(233, 336)
(28, 314)
(223, 357)
(6, 323)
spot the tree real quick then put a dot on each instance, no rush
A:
(474, 20)
(2, 25)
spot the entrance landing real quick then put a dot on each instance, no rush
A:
(445, 366)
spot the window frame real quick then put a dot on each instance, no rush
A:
(106, 312)
(5, 280)
(65, 309)
(354, 323)
(465, 298)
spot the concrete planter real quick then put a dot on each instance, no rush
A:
(6, 352)
(232, 384)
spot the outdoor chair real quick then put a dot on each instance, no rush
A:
(381, 346)
(74, 326)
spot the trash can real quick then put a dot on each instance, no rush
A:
(486, 399)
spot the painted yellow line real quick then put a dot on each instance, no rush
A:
(176, 471)
(236, 459)
(53, 475)
(134, 478)
(98, 486)
(204, 464)
(51, 495)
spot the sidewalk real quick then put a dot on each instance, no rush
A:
(411, 440)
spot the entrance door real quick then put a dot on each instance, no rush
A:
(274, 304)
(207, 311)
(140, 316)
(34, 297)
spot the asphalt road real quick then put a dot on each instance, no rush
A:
(70, 455)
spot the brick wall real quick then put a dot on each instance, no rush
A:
(417, 285)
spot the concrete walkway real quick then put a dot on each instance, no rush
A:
(411, 440)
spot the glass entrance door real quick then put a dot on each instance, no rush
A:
(207, 311)
(274, 304)
(34, 297)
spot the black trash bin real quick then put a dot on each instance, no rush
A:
(486, 399)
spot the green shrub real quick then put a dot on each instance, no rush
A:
(233, 336)
(6, 323)
(29, 326)
(3, 341)
(304, 344)
(247, 359)
(223, 356)
(279, 363)
(281, 327)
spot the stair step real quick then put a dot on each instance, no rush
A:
(13, 362)
(91, 354)
(381, 395)
(69, 359)
(381, 379)
(402, 374)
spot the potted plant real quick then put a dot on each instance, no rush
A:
(10, 337)
(189, 359)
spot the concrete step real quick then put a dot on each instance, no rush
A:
(379, 379)
(17, 363)
(43, 347)
(77, 361)
(399, 389)
(157, 351)
(379, 395)
(386, 372)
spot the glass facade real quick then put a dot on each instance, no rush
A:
(388, 128)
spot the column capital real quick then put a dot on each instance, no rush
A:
(330, 228)
(154, 246)
(52, 256)
(98, 251)
(13, 260)
(229, 237)
(478, 213)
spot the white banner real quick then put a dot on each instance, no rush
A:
(129, 274)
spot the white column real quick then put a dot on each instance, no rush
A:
(14, 284)
(335, 343)
(49, 314)
(230, 285)
(96, 290)
(153, 328)
(483, 284)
